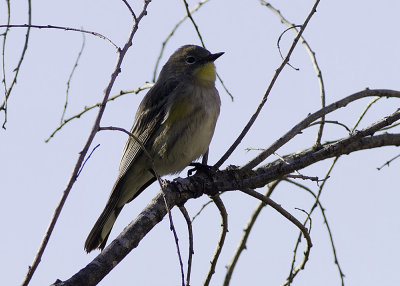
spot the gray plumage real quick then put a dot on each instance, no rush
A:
(175, 122)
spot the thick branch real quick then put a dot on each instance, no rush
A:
(178, 192)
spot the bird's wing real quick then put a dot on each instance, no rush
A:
(149, 117)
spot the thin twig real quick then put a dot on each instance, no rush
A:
(279, 46)
(314, 116)
(295, 270)
(369, 105)
(388, 162)
(130, 10)
(390, 127)
(314, 63)
(201, 209)
(246, 234)
(164, 43)
(3, 106)
(336, 260)
(194, 23)
(224, 87)
(70, 77)
(88, 157)
(88, 108)
(3, 49)
(292, 219)
(330, 122)
(191, 251)
(265, 97)
(161, 183)
(224, 215)
(189, 14)
(62, 28)
(172, 228)
(82, 154)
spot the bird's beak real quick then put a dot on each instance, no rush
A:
(213, 57)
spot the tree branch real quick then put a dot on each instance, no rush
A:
(82, 154)
(224, 215)
(267, 92)
(181, 190)
(312, 117)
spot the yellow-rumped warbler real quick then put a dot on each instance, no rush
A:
(175, 122)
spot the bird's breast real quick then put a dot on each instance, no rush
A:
(186, 133)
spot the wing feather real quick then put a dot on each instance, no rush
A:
(148, 118)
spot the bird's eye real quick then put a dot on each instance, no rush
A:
(190, 60)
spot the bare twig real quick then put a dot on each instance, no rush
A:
(390, 126)
(144, 149)
(314, 63)
(315, 179)
(314, 116)
(292, 219)
(331, 122)
(189, 14)
(295, 270)
(3, 106)
(62, 28)
(161, 183)
(224, 215)
(88, 157)
(172, 228)
(88, 108)
(246, 234)
(3, 48)
(201, 209)
(336, 260)
(130, 10)
(164, 43)
(70, 77)
(82, 154)
(191, 251)
(279, 46)
(224, 87)
(388, 162)
(193, 22)
(265, 97)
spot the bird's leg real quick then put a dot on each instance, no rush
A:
(199, 167)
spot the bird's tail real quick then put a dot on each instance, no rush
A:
(98, 236)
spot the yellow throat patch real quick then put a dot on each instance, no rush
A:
(206, 72)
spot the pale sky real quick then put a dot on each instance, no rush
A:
(357, 46)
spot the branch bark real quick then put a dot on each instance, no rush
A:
(233, 178)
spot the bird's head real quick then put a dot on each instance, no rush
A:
(191, 62)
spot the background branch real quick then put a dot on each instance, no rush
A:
(88, 108)
(224, 216)
(8, 90)
(82, 154)
(61, 28)
(70, 77)
(246, 233)
(313, 61)
(265, 97)
(191, 250)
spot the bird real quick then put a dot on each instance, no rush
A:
(175, 122)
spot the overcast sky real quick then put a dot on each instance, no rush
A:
(357, 46)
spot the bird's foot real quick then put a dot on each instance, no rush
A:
(199, 167)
